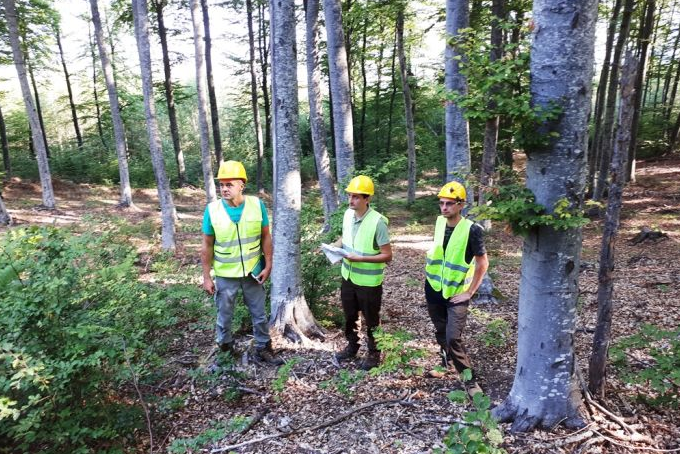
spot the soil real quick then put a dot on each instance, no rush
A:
(397, 412)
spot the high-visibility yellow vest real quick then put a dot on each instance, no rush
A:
(237, 247)
(447, 271)
(361, 273)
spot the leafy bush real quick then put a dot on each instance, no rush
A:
(651, 357)
(344, 381)
(76, 325)
(396, 354)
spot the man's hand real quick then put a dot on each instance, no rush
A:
(209, 285)
(354, 257)
(264, 275)
(460, 298)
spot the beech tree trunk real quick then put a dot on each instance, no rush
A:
(38, 107)
(72, 104)
(4, 144)
(605, 289)
(329, 197)
(254, 97)
(342, 100)
(457, 128)
(168, 215)
(116, 119)
(36, 130)
(545, 391)
(169, 92)
(214, 111)
(199, 49)
(393, 97)
(408, 110)
(98, 113)
(5, 217)
(290, 315)
(264, 65)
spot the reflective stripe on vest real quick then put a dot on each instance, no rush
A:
(361, 273)
(237, 246)
(447, 271)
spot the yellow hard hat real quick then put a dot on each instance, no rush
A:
(232, 170)
(452, 190)
(360, 185)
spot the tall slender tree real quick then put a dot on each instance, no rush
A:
(114, 105)
(290, 314)
(214, 110)
(67, 77)
(159, 6)
(140, 14)
(199, 49)
(263, 48)
(323, 165)
(36, 131)
(253, 95)
(545, 391)
(38, 104)
(457, 128)
(408, 108)
(95, 92)
(4, 144)
(342, 98)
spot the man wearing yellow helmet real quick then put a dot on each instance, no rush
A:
(235, 238)
(456, 263)
(365, 237)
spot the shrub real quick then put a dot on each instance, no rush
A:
(396, 354)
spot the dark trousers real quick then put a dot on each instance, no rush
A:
(449, 320)
(355, 299)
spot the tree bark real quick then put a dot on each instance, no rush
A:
(199, 49)
(214, 111)
(36, 131)
(668, 106)
(290, 315)
(457, 128)
(645, 34)
(254, 97)
(342, 101)
(98, 113)
(72, 104)
(605, 140)
(408, 110)
(329, 196)
(169, 92)
(605, 289)
(116, 118)
(5, 217)
(364, 87)
(168, 215)
(4, 144)
(545, 391)
(38, 107)
(393, 97)
(264, 63)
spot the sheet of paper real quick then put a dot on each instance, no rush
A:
(333, 254)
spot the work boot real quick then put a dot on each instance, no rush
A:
(267, 355)
(228, 347)
(441, 370)
(473, 388)
(371, 360)
(349, 352)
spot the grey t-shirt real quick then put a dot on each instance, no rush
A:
(382, 236)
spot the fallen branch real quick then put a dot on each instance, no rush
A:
(333, 421)
(627, 446)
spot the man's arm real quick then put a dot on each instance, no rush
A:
(385, 256)
(481, 265)
(207, 254)
(266, 242)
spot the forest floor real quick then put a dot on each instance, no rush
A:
(319, 407)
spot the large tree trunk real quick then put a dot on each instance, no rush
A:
(5, 217)
(645, 34)
(169, 93)
(116, 118)
(342, 102)
(6, 162)
(408, 110)
(199, 49)
(36, 130)
(605, 289)
(605, 140)
(545, 391)
(214, 111)
(72, 104)
(253, 96)
(290, 315)
(168, 215)
(93, 57)
(38, 107)
(323, 164)
(457, 128)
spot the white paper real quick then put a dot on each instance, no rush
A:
(333, 254)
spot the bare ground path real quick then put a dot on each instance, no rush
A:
(392, 413)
